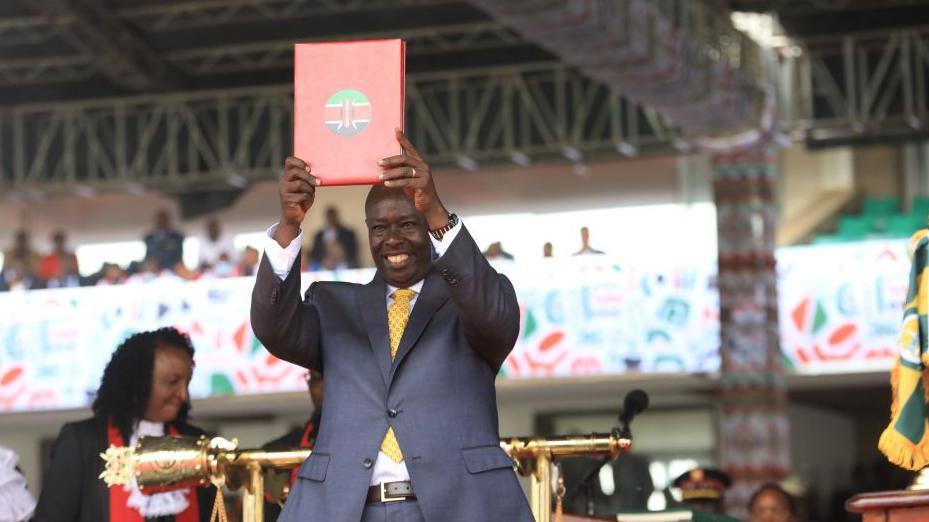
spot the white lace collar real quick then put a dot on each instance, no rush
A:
(16, 503)
(159, 504)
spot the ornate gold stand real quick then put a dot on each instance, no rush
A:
(159, 463)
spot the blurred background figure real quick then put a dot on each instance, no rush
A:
(770, 503)
(585, 244)
(145, 272)
(335, 258)
(704, 489)
(302, 437)
(60, 262)
(65, 275)
(335, 232)
(164, 244)
(144, 391)
(17, 276)
(16, 502)
(22, 250)
(249, 262)
(495, 251)
(215, 246)
(110, 274)
(547, 249)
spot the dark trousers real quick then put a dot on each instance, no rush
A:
(402, 511)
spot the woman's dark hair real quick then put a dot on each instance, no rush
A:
(127, 380)
(776, 488)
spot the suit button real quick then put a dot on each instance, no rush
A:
(452, 281)
(445, 271)
(392, 413)
(367, 463)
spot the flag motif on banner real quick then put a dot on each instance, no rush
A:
(905, 442)
(347, 112)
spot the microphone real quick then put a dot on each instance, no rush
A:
(634, 403)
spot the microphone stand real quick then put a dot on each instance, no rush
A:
(634, 403)
(586, 483)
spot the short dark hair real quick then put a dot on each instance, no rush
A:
(776, 488)
(127, 380)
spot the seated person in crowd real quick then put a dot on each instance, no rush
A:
(215, 245)
(64, 275)
(335, 233)
(17, 276)
(60, 262)
(110, 274)
(22, 250)
(771, 503)
(249, 262)
(164, 244)
(143, 392)
(495, 251)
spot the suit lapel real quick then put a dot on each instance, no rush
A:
(432, 298)
(373, 304)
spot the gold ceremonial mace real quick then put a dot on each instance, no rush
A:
(174, 462)
(159, 463)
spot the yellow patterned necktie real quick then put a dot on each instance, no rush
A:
(398, 314)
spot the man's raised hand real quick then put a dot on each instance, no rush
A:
(297, 190)
(410, 172)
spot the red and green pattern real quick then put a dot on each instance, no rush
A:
(347, 112)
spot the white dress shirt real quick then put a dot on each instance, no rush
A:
(282, 259)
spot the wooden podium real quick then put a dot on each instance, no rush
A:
(891, 506)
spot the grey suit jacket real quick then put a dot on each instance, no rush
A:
(438, 394)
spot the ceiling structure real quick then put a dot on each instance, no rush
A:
(864, 71)
(174, 94)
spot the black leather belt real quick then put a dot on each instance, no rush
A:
(391, 492)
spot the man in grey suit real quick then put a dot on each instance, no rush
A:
(409, 432)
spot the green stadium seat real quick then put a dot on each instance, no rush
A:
(853, 228)
(920, 206)
(880, 206)
(905, 225)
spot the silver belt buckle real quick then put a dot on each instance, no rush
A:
(384, 494)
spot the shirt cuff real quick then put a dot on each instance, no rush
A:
(282, 259)
(441, 245)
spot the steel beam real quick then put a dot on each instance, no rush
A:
(93, 30)
(859, 87)
(176, 142)
(243, 57)
(210, 13)
(279, 53)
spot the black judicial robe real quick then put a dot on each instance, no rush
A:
(71, 489)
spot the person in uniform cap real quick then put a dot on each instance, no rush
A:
(703, 489)
(303, 437)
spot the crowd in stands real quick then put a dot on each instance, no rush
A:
(25, 269)
(335, 247)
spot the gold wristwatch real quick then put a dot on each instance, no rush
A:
(441, 231)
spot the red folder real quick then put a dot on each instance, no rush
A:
(348, 99)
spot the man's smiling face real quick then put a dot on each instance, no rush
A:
(398, 238)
